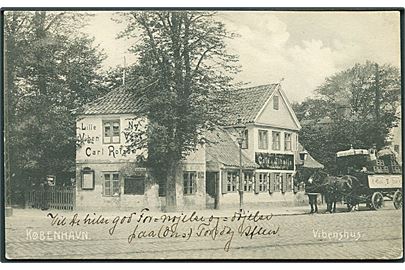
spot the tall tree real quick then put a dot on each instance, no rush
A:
(185, 77)
(354, 107)
(51, 69)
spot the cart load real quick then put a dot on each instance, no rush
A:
(378, 174)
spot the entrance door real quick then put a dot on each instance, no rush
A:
(211, 187)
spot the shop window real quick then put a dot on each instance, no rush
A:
(231, 181)
(111, 131)
(248, 181)
(263, 182)
(112, 184)
(263, 139)
(245, 141)
(134, 185)
(189, 184)
(276, 140)
(276, 104)
(87, 179)
(287, 142)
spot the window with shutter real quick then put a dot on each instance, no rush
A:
(277, 182)
(224, 182)
(271, 185)
(257, 184)
(283, 183)
(289, 182)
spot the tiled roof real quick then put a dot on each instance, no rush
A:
(118, 101)
(247, 103)
(222, 149)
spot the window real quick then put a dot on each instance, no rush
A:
(231, 181)
(275, 103)
(111, 131)
(189, 183)
(245, 141)
(263, 182)
(276, 140)
(288, 179)
(263, 139)
(112, 184)
(277, 182)
(87, 179)
(248, 181)
(287, 141)
(134, 185)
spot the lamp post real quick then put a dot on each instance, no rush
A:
(240, 129)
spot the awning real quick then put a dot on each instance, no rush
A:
(311, 163)
(352, 152)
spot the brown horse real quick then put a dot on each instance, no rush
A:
(331, 187)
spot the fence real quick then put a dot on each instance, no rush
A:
(62, 198)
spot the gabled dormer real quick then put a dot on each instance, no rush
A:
(262, 105)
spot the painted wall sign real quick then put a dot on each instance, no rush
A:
(385, 181)
(274, 161)
(89, 133)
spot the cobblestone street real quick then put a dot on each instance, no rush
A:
(356, 235)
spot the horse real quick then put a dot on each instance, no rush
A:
(334, 188)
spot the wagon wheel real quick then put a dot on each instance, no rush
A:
(397, 199)
(377, 200)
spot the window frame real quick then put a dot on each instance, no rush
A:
(245, 142)
(263, 182)
(273, 133)
(263, 145)
(289, 141)
(231, 181)
(189, 183)
(111, 184)
(277, 182)
(289, 186)
(248, 184)
(111, 135)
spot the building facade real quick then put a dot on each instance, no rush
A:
(111, 176)
(270, 149)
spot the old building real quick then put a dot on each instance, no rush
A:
(270, 148)
(110, 176)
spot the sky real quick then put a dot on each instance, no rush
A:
(303, 48)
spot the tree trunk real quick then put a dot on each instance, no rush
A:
(171, 186)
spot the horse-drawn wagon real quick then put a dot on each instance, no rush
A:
(376, 177)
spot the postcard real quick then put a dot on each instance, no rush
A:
(202, 134)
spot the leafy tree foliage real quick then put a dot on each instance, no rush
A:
(184, 82)
(51, 69)
(354, 107)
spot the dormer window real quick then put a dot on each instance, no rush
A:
(276, 104)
